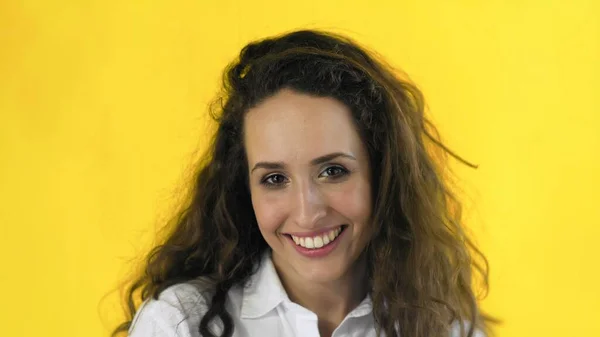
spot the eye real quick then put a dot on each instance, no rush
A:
(334, 172)
(274, 180)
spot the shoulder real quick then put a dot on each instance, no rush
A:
(177, 312)
(458, 331)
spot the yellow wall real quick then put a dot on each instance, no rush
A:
(102, 102)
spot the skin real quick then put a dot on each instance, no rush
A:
(309, 171)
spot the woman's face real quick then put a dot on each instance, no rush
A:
(310, 184)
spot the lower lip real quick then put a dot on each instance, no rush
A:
(318, 252)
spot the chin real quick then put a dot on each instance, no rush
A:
(323, 271)
(325, 275)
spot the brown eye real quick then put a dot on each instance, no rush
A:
(274, 180)
(334, 172)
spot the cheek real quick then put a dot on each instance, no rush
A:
(269, 211)
(353, 201)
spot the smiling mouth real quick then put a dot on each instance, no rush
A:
(318, 241)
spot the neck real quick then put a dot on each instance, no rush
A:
(330, 301)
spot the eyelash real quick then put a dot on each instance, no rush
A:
(342, 173)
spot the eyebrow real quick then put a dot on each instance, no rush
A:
(314, 162)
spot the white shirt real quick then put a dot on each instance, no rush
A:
(261, 308)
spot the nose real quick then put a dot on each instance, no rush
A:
(310, 206)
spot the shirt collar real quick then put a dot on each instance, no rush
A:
(264, 291)
(363, 309)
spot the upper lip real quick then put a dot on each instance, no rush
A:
(313, 233)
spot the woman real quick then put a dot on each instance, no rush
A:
(321, 209)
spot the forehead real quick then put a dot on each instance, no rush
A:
(292, 125)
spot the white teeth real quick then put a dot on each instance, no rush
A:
(317, 241)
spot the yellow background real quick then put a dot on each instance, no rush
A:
(102, 106)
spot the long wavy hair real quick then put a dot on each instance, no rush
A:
(422, 267)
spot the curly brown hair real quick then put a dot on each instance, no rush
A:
(421, 262)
